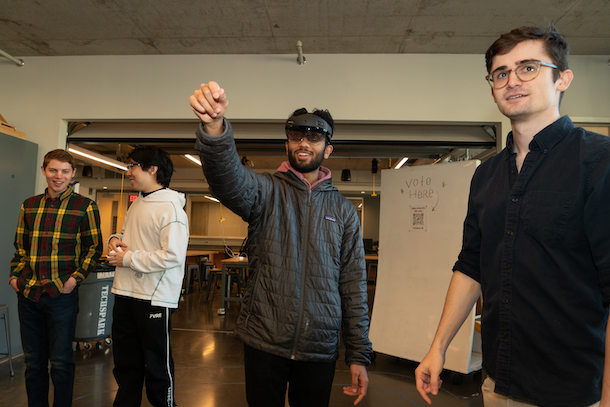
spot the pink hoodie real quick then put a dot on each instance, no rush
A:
(323, 174)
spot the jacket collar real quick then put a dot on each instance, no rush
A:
(323, 174)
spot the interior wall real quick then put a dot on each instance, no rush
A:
(42, 96)
(105, 206)
(371, 218)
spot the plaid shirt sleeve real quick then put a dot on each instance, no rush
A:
(22, 245)
(91, 241)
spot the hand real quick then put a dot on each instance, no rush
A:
(427, 375)
(14, 283)
(69, 285)
(360, 383)
(114, 243)
(115, 257)
(209, 103)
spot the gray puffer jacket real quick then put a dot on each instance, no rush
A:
(306, 256)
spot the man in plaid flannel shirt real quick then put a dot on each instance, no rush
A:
(58, 243)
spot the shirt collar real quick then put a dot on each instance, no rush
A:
(547, 137)
(69, 191)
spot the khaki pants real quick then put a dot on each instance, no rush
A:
(491, 399)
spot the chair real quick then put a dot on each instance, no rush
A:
(7, 328)
(190, 269)
(214, 277)
(205, 265)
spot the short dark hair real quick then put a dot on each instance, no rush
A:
(324, 114)
(59, 155)
(555, 45)
(148, 156)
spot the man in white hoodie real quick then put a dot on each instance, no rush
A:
(149, 256)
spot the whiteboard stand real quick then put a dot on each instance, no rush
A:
(421, 221)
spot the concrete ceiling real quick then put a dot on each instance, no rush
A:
(174, 27)
(166, 27)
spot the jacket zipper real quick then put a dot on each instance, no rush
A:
(303, 278)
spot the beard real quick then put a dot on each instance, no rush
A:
(314, 163)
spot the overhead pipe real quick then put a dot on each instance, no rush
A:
(300, 58)
(18, 62)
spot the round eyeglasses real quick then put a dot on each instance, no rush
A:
(525, 71)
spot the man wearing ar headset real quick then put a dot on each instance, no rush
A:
(306, 256)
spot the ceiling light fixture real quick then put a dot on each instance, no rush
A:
(193, 159)
(402, 162)
(300, 57)
(96, 157)
(211, 198)
(346, 175)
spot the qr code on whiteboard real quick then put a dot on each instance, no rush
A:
(418, 219)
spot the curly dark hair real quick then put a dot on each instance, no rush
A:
(324, 114)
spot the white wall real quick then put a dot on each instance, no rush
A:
(48, 91)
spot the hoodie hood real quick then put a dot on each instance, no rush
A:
(165, 195)
(323, 174)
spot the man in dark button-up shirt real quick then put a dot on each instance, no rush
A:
(536, 242)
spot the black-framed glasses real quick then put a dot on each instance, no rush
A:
(525, 71)
(131, 165)
(312, 137)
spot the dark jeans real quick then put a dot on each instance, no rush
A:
(309, 383)
(47, 332)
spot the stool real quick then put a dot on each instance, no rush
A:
(237, 276)
(213, 277)
(7, 327)
(205, 267)
(190, 268)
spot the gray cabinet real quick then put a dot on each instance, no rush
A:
(18, 169)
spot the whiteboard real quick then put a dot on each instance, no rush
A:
(420, 236)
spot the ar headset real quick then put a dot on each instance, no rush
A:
(308, 126)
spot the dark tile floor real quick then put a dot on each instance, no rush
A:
(209, 370)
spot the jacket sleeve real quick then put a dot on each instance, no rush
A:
(238, 187)
(353, 290)
(173, 242)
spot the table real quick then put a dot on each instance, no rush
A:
(239, 263)
(199, 253)
(371, 260)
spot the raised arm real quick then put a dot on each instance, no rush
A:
(462, 294)
(209, 103)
